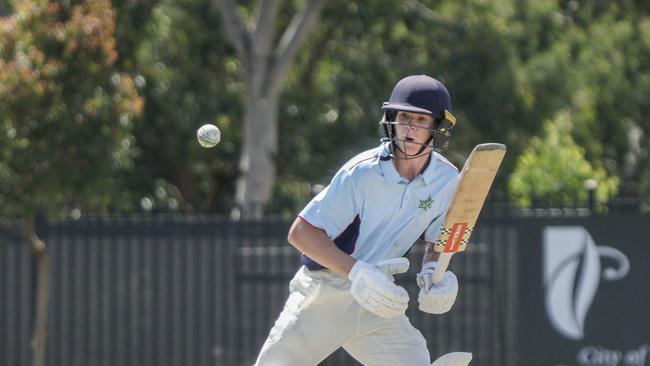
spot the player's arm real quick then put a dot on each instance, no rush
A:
(372, 286)
(314, 243)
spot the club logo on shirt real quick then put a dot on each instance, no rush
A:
(426, 204)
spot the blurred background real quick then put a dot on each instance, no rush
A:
(124, 242)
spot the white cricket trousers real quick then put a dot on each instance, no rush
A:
(321, 315)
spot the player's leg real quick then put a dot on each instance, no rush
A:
(304, 334)
(384, 342)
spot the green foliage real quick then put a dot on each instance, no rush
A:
(66, 112)
(554, 170)
(190, 77)
(359, 50)
(290, 196)
(5, 7)
(597, 69)
(510, 67)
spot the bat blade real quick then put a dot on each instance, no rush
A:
(472, 188)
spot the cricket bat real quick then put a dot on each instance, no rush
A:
(473, 185)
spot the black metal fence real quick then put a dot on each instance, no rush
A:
(200, 290)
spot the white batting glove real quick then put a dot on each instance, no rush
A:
(453, 359)
(394, 266)
(436, 298)
(374, 289)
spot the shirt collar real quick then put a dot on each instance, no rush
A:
(429, 173)
(391, 176)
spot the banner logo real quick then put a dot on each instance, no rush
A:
(572, 272)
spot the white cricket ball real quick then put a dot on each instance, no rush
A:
(208, 135)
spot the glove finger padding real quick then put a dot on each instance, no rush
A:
(394, 266)
(453, 359)
(376, 292)
(436, 298)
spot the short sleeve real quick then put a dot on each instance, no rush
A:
(335, 207)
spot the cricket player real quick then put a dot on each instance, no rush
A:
(354, 235)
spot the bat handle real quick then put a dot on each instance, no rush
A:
(441, 267)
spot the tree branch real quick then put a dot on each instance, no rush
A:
(266, 13)
(31, 237)
(293, 37)
(39, 249)
(319, 48)
(430, 15)
(235, 28)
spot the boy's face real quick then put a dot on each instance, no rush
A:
(413, 130)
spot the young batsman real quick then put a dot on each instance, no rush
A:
(354, 235)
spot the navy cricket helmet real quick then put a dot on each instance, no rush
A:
(425, 95)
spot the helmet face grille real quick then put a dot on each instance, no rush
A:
(440, 135)
(419, 94)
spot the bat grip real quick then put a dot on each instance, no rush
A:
(441, 267)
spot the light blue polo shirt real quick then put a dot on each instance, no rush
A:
(372, 213)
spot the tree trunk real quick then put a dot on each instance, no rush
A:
(257, 162)
(39, 335)
(266, 70)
